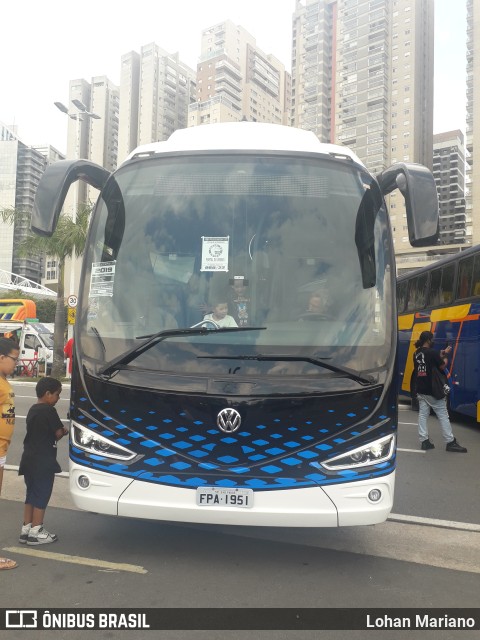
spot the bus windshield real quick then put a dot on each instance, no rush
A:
(46, 334)
(294, 251)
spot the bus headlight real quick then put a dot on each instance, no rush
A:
(94, 443)
(369, 454)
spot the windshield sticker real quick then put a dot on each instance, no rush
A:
(214, 254)
(101, 280)
(93, 307)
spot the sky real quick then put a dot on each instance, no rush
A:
(44, 45)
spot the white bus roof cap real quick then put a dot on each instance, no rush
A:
(242, 136)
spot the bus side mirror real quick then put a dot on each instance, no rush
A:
(417, 185)
(53, 188)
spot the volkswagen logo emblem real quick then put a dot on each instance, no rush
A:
(229, 420)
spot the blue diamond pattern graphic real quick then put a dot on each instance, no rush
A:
(199, 454)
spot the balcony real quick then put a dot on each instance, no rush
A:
(233, 71)
(225, 89)
(226, 79)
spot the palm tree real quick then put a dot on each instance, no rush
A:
(68, 239)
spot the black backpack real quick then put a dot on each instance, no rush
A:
(440, 386)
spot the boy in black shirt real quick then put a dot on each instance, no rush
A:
(39, 460)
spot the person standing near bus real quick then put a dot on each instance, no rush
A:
(39, 463)
(9, 353)
(68, 352)
(424, 359)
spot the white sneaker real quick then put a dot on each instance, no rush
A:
(39, 535)
(24, 533)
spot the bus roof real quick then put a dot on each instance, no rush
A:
(447, 259)
(243, 136)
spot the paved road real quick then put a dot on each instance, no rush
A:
(112, 562)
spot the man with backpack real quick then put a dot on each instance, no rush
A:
(429, 382)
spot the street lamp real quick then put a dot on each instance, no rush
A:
(80, 116)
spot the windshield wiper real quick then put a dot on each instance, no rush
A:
(96, 332)
(363, 380)
(154, 338)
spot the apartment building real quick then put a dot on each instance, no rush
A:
(49, 264)
(449, 174)
(92, 134)
(21, 170)
(49, 153)
(156, 89)
(362, 76)
(473, 122)
(236, 80)
(94, 138)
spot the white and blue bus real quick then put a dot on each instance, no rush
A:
(279, 414)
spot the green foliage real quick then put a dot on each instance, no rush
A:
(45, 309)
(67, 240)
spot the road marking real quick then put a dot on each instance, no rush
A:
(399, 541)
(25, 417)
(89, 562)
(14, 467)
(35, 397)
(33, 382)
(433, 522)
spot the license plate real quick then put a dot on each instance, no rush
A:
(216, 497)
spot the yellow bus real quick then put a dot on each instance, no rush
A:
(444, 298)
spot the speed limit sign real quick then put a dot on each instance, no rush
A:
(72, 302)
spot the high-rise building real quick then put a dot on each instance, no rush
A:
(236, 80)
(362, 75)
(22, 168)
(92, 137)
(8, 183)
(314, 53)
(449, 174)
(473, 122)
(50, 154)
(49, 263)
(156, 88)
(129, 100)
(95, 139)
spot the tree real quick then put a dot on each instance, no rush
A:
(45, 308)
(68, 239)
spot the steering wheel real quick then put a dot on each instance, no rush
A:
(205, 323)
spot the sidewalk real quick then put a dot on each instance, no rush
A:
(14, 489)
(33, 381)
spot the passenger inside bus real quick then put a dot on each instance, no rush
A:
(220, 314)
(319, 306)
(239, 301)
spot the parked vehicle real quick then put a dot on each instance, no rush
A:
(444, 298)
(284, 417)
(35, 341)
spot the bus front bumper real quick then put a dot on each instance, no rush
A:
(346, 504)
